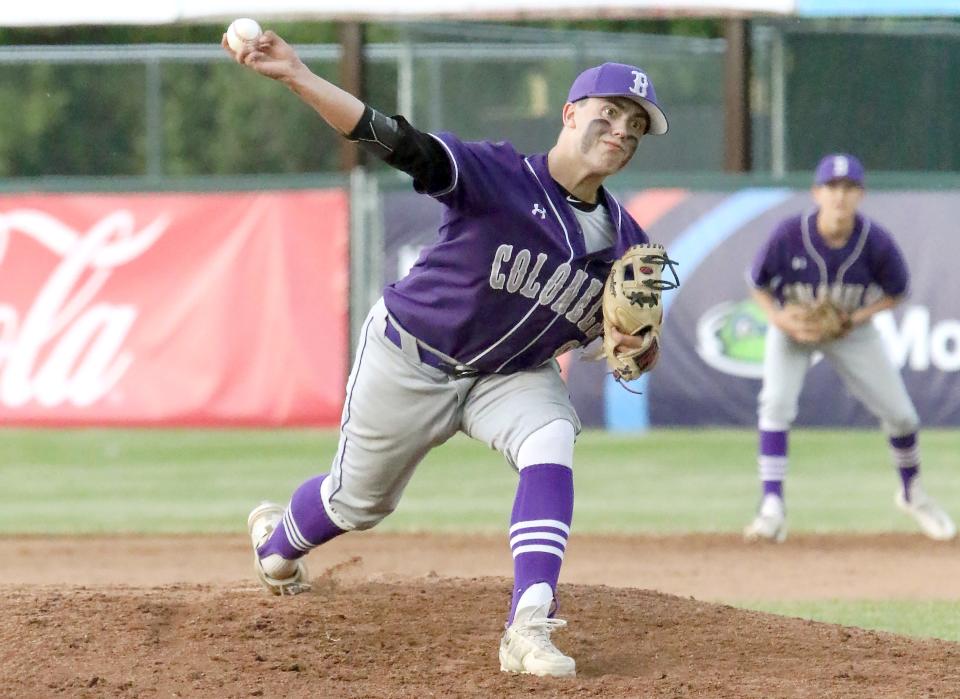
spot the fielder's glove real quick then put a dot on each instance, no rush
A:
(822, 321)
(631, 304)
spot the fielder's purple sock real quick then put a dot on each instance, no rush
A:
(908, 441)
(539, 527)
(773, 461)
(773, 443)
(305, 524)
(773, 488)
(906, 454)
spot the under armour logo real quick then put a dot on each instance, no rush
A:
(799, 263)
(640, 83)
(539, 211)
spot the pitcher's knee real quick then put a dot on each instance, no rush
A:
(552, 443)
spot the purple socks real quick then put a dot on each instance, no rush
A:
(539, 527)
(773, 444)
(906, 455)
(773, 461)
(305, 524)
(773, 488)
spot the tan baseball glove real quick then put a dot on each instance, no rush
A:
(829, 319)
(820, 321)
(631, 305)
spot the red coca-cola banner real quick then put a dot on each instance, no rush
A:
(173, 309)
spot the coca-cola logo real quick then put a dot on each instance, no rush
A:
(68, 348)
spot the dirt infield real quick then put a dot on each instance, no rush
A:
(420, 616)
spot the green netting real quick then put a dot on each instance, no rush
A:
(887, 91)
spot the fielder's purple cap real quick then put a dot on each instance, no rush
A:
(621, 80)
(839, 166)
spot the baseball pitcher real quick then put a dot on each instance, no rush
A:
(467, 340)
(820, 279)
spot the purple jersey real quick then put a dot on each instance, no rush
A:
(509, 283)
(796, 263)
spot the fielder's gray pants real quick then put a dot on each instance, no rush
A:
(862, 362)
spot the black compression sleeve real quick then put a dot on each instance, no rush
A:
(400, 145)
(422, 157)
(375, 133)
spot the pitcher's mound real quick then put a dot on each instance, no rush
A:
(435, 637)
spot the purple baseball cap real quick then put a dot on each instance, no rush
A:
(621, 80)
(839, 166)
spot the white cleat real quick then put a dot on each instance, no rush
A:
(933, 521)
(526, 646)
(278, 575)
(770, 524)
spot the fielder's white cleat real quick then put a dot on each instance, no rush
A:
(526, 646)
(278, 575)
(933, 521)
(770, 524)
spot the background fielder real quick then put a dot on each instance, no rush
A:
(833, 254)
(467, 340)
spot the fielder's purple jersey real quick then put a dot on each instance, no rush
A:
(509, 283)
(796, 262)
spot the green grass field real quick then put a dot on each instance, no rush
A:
(174, 481)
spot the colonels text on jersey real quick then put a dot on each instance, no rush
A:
(513, 274)
(511, 281)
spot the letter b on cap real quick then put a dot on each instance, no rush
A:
(640, 83)
(841, 166)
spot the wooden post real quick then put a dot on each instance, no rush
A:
(737, 132)
(351, 80)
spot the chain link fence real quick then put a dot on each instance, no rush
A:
(180, 110)
(882, 89)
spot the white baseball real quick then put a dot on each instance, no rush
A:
(241, 31)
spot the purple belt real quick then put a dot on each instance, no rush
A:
(428, 357)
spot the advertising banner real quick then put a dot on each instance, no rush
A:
(710, 374)
(173, 309)
(709, 371)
